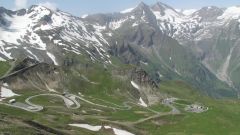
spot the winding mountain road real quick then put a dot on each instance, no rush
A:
(69, 102)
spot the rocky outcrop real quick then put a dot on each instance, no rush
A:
(142, 77)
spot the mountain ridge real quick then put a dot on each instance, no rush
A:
(141, 34)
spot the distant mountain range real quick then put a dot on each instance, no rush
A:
(201, 47)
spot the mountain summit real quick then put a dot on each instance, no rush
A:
(161, 7)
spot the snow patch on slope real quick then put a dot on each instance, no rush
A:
(53, 58)
(135, 24)
(6, 93)
(35, 57)
(127, 10)
(142, 103)
(170, 16)
(222, 73)
(119, 131)
(16, 30)
(87, 126)
(98, 128)
(189, 11)
(3, 51)
(84, 16)
(117, 24)
(135, 85)
(1, 59)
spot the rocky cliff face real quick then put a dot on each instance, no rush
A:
(30, 74)
(143, 78)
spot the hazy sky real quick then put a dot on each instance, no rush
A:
(80, 7)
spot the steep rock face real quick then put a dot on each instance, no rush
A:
(2, 20)
(25, 63)
(29, 74)
(144, 13)
(147, 87)
(143, 78)
(216, 49)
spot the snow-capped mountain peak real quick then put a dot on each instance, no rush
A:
(231, 13)
(141, 6)
(163, 8)
(164, 12)
(209, 13)
(37, 32)
(39, 28)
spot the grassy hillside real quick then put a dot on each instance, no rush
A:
(4, 66)
(105, 87)
(221, 118)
